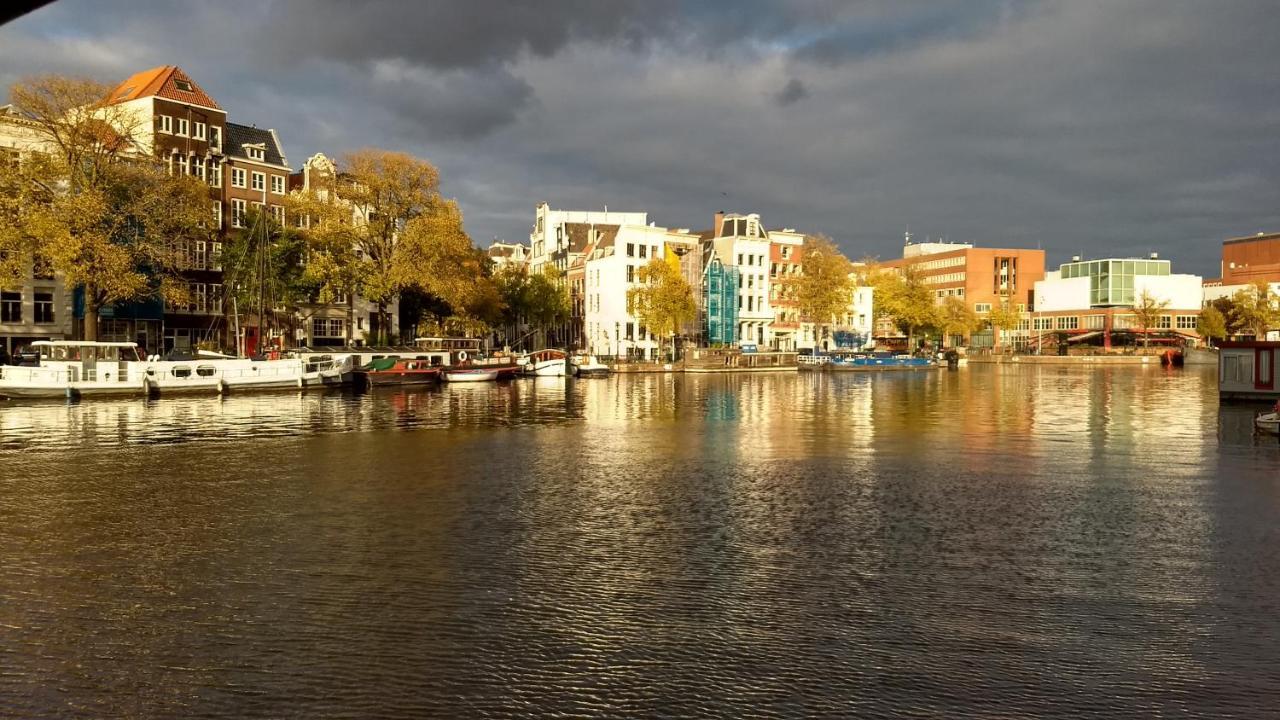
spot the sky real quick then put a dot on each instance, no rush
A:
(1094, 127)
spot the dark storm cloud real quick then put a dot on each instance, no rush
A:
(792, 92)
(1081, 126)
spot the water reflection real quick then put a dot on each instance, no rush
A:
(1042, 542)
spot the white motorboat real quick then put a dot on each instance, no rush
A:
(1268, 422)
(78, 368)
(545, 363)
(588, 366)
(463, 375)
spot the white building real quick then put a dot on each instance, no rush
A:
(1097, 295)
(502, 254)
(550, 241)
(742, 242)
(852, 332)
(613, 258)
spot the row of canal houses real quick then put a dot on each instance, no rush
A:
(246, 169)
(734, 268)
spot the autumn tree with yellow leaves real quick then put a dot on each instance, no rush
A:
(87, 201)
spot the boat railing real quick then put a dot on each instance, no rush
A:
(35, 375)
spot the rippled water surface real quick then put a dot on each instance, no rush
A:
(995, 542)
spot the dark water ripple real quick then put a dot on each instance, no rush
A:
(995, 543)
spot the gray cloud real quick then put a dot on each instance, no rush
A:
(792, 92)
(1076, 125)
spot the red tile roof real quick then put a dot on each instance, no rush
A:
(162, 82)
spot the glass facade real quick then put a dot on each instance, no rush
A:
(720, 301)
(1111, 281)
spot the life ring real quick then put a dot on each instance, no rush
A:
(462, 355)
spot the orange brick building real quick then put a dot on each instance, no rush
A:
(1247, 259)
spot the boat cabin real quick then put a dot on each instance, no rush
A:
(86, 352)
(1247, 370)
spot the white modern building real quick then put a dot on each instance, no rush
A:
(1097, 296)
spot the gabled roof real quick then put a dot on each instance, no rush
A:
(240, 135)
(580, 235)
(164, 82)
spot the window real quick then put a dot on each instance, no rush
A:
(1043, 323)
(254, 152)
(1068, 323)
(200, 131)
(982, 307)
(751, 303)
(644, 250)
(1164, 322)
(259, 181)
(277, 184)
(10, 307)
(44, 307)
(215, 137)
(631, 331)
(183, 166)
(217, 214)
(237, 213)
(786, 252)
(237, 177)
(631, 249)
(277, 212)
(164, 123)
(739, 258)
(197, 167)
(1186, 322)
(215, 256)
(1094, 322)
(215, 173)
(182, 85)
(631, 273)
(182, 127)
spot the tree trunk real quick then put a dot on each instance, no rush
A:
(911, 341)
(351, 318)
(90, 330)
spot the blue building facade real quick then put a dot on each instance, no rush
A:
(720, 291)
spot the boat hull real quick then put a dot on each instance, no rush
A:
(1268, 423)
(363, 378)
(471, 376)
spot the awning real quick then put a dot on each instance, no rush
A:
(1085, 336)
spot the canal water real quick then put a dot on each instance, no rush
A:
(997, 542)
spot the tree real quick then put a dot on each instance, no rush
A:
(1002, 316)
(825, 286)
(264, 263)
(1254, 309)
(1211, 325)
(546, 299)
(901, 294)
(1147, 312)
(387, 191)
(92, 205)
(435, 255)
(662, 300)
(334, 266)
(955, 317)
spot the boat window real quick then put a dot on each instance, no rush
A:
(181, 371)
(206, 371)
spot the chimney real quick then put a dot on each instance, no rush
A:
(1155, 256)
(719, 223)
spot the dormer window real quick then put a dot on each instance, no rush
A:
(183, 85)
(254, 152)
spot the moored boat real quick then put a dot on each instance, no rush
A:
(588, 366)
(880, 361)
(393, 371)
(545, 363)
(463, 375)
(78, 368)
(1268, 423)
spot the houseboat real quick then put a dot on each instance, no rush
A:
(877, 362)
(80, 368)
(1247, 370)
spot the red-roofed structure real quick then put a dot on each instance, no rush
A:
(168, 82)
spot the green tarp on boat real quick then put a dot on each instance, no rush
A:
(381, 364)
